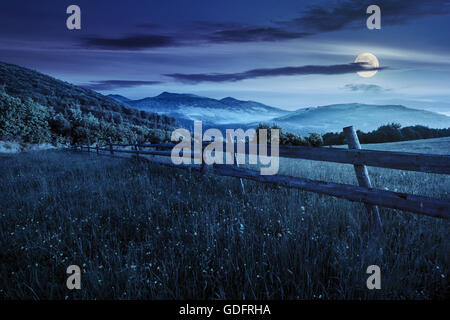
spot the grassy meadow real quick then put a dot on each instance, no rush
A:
(143, 231)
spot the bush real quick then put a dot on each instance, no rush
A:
(60, 125)
(315, 140)
(293, 140)
(288, 138)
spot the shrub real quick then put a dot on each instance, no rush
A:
(293, 140)
(60, 125)
(315, 140)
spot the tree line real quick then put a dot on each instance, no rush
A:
(27, 121)
(387, 133)
(392, 132)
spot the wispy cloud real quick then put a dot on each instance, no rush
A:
(116, 84)
(272, 72)
(131, 42)
(246, 34)
(373, 88)
(148, 25)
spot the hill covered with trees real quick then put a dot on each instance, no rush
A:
(35, 108)
(389, 133)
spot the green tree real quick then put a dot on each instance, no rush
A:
(26, 121)
(315, 139)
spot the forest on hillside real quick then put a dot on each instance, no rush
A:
(36, 108)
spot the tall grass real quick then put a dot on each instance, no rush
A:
(142, 231)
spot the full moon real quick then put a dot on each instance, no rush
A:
(370, 62)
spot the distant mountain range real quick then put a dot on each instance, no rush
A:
(364, 117)
(230, 112)
(189, 107)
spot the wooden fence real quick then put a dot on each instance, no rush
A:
(359, 158)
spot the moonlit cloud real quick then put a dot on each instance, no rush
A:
(116, 84)
(132, 42)
(372, 88)
(272, 72)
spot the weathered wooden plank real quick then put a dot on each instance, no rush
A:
(428, 163)
(122, 144)
(158, 145)
(395, 200)
(149, 152)
(362, 175)
(383, 159)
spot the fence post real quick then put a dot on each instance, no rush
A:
(110, 147)
(203, 166)
(96, 147)
(89, 145)
(136, 147)
(363, 178)
(233, 156)
(241, 181)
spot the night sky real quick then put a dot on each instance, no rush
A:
(288, 54)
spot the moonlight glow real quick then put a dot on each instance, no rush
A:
(371, 62)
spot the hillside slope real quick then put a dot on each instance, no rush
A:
(69, 113)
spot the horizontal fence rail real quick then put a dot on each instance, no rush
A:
(384, 159)
(427, 163)
(395, 200)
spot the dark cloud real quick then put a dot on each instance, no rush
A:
(148, 25)
(365, 88)
(323, 18)
(285, 71)
(254, 34)
(116, 84)
(210, 26)
(313, 20)
(345, 13)
(132, 42)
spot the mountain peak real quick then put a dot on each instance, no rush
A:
(230, 100)
(170, 95)
(193, 107)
